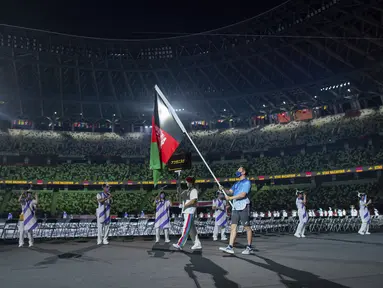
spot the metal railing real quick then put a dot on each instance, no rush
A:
(84, 228)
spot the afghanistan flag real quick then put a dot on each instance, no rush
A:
(166, 136)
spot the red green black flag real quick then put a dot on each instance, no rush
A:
(166, 137)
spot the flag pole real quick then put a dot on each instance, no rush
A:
(175, 116)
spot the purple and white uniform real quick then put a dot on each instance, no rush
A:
(303, 218)
(220, 213)
(162, 214)
(29, 209)
(220, 219)
(364, 216)
(301, 210)
(363, 210)
(28, 220)
(103, 218)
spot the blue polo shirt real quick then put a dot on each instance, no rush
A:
(243, 185)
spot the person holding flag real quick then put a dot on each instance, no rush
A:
(162, 221)
(27, 220)
(189, 206)
(103, 214)
(219, 205)
(241, 211)
(167, 134)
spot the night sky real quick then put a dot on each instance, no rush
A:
(117, 19)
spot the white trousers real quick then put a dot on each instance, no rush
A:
(188, 229)
(158, 233)
(301, 226)
(364, 227)
(22, 233)
(216, 230)
(102, 232)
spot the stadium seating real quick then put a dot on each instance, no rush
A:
(273, 165)
(354, 142)
(316, 132)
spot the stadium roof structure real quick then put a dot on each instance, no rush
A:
(294, 54)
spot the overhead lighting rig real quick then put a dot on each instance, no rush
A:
(337, 86)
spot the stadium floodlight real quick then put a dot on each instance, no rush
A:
(264, 105)
(114, 115)
(284, 102)
(315, 97)
(348, 90)
(55, 112)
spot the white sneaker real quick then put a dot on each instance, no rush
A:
(178, 247)
(21, 245)
(227, 249)
(30, 244)
(99, 242)
(248, 251)
(303, 236)
(224, 239)
(367, 233)
(105, 242)
(157, 241)
(196, 246)
(297, 235)
(215, 238)
(167, 240)
(361, 233)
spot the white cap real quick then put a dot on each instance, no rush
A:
(298, 192)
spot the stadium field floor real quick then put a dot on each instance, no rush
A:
(325, 261)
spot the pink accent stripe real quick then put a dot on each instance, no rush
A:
(185, 230)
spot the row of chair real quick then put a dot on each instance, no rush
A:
(80, 228)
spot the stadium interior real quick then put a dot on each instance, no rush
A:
(294, 95)
(297, 111)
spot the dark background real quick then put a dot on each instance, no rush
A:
(129, 19)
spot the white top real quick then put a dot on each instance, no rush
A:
(103, 195)
(215, 203)
(187, 196)
(362, 206)
(300, 206)
(33, 204)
